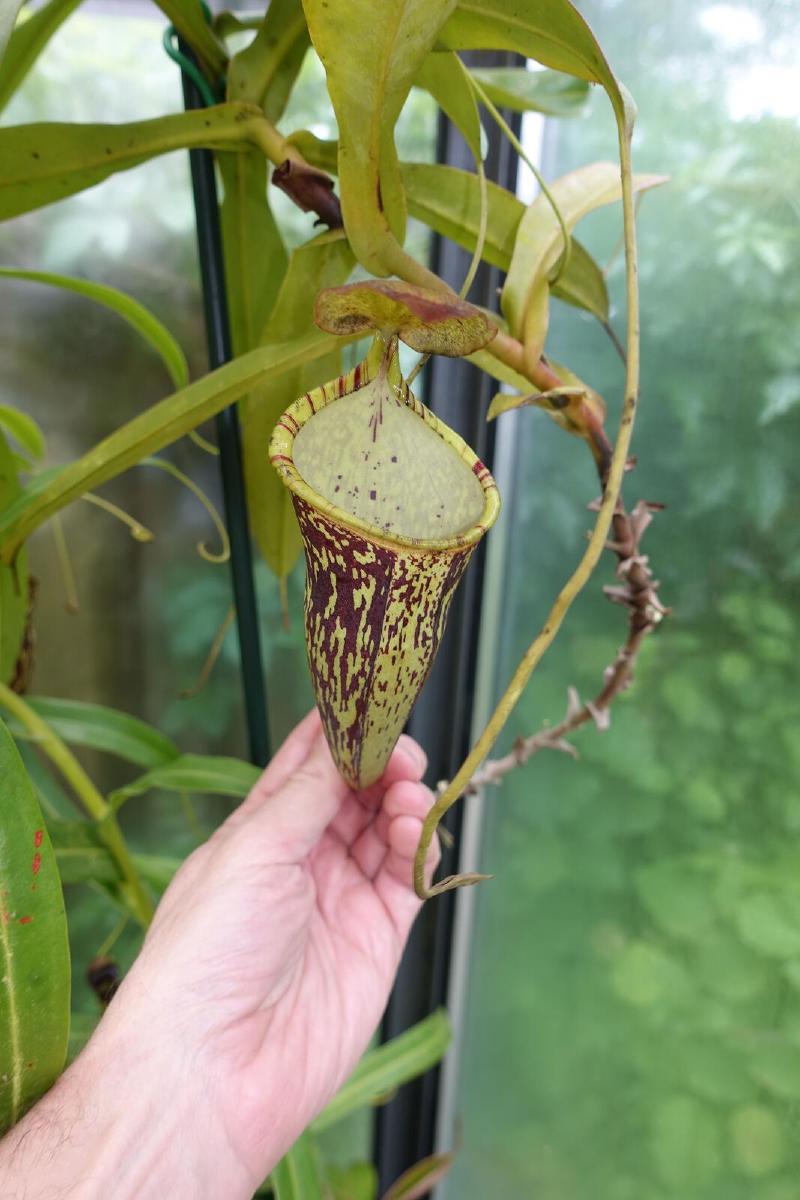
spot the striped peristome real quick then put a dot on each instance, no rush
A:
(376, 597)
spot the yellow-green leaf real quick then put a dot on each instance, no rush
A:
(521, 90)
(539, 244)
(255, 256)
(448, 200)
(551, 31)
(265, 71)
(8, 15)
(372, 50)
(142, 320)
(149, 432)
(418, 1181)
(14, 584)
(34, 952)
(45, 162)
(323, 262)
(190, 22)
(442, 75)
(298, 1176)
(29, 38)
(101, 728)
(387, 1067)
(23, 430)
(582, 283)
(206, 773)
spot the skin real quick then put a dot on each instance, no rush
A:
(261, 980)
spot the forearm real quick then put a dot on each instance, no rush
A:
(112, 1127)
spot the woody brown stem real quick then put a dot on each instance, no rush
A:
(637, 591)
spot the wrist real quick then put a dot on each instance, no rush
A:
(123, 1121)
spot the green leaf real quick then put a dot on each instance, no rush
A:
(443, 76)
(265, 71)
(521, 90)
(23, 429)
(14, 581)
(101, 728)
(448, 200)
(27, 42)
(504, 374)
(385, 1068)
(539, 244)
(321, 263)
(95, 865)
(298, 1175)
(189, 20)
(418, 1181)
(216, 774)
(149, 432)
(8, 15)
(82, 857)
(318, 152)
(45, 162)
(255, 256)
(582, 283)
(551, 31)
(142, 320)
(356, 1182)
(34, 951)
(372, 50)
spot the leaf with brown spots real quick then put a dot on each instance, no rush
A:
(34, 952)
(428, 321)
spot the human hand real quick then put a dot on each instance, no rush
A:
(261, 980)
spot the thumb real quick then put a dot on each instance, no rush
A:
(293, 818)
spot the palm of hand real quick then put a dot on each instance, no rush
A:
(283, 934)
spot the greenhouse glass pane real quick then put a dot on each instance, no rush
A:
(633, 1030)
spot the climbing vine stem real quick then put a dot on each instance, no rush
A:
(584, 569)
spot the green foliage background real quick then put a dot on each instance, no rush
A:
(634, 1029)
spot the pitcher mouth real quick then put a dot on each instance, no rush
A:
(381, 358)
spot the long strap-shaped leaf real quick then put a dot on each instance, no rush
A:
(34, 952)
(388, 1067)
(526, 293)
(326, 261)
(265, 71)
(47, 161)
(372, 50)
(142, 320)
(153, 429)
(189, 19)
(8, 15)
(101, 728)
(551, 31)
(14, 582)
(298, 1175)
(27, 41)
